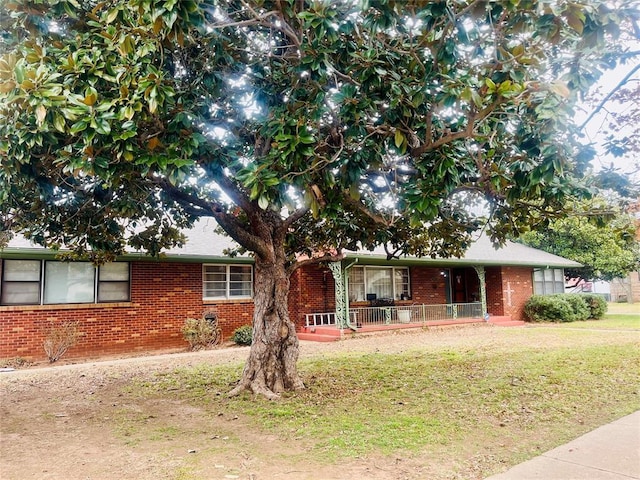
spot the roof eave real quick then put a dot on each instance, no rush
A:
(373, 259)
(43, 254)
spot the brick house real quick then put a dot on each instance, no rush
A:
(139, 304)
(627, 289)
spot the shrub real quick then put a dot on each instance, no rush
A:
(596, 304)
(243, 335)
(564, 307)
(548, 308)
(201, 332)
(578, 306)
(59, 339)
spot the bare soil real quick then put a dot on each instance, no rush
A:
(80, 422)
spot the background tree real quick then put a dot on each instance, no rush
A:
(302, 127)
(607, 250)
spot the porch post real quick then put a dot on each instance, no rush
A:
(483, 290)
(342, 302)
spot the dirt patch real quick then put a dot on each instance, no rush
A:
(79, 421)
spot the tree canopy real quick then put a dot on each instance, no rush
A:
(607, 251)
(303, 127)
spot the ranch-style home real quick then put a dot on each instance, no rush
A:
(139, 303)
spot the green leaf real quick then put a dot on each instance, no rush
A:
(263, 202)
(399, 138)
(306, 139)
(101, 162)
(102, 126)
(112, 15)
(58, 122)
(79, 126)
(19, 72)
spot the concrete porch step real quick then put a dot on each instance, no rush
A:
(512, 323)
(317, 337)
(330, 333)
(505, 321)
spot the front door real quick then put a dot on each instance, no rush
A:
(459, 285)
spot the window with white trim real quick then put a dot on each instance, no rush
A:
(44, 282)
(547, 281)
(227, 282)
(381, 282)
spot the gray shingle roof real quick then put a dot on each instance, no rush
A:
(205, 245)
(202, 244)
(481, 252)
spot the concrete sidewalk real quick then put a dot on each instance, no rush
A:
(611, 452)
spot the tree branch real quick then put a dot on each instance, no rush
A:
(356, 205)
(241, 235)
(294, 217)
(327, 257)
(185, 199)
(282, 27)
(230, 224)
(252, 21)
(468, 132)
(602, 102)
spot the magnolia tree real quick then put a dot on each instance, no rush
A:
(302, 127)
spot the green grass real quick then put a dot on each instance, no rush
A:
(624, 321)
(532, 390)
(615, 308)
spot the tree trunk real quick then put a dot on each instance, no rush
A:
(272, 364)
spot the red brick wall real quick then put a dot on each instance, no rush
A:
(501, 280)
(520, 281)
(493, 280)
(428, 286)
(163, 295)
(312, 291)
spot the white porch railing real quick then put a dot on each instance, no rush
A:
(365, 316)
(324, 319)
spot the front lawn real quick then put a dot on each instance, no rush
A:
(469, 406)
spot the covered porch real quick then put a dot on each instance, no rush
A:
(370, 298)
(325, 327)
(384, 315)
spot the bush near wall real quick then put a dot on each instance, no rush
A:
(243, 335)
(597, 305)
(565, 307)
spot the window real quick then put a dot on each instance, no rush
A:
(113, 282)
(383, 282)
(548, 280)
(35, 282)
(68, 282)
(227, 281)
(20, 282)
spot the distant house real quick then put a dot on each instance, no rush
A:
(139, 304)
(627, 289)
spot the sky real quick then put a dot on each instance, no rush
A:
(594, 131)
